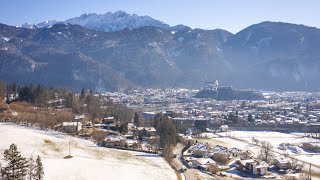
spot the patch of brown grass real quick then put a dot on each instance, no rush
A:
(178, 175)
(198, 176)
(52, 145)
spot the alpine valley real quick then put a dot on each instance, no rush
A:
(115, 51)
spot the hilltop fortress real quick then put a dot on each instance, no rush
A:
(214, 91)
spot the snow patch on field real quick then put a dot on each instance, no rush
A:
(88, 162)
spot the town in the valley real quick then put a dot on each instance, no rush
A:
(216, 132)
(160, 90)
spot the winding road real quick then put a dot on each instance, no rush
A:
(190, 173)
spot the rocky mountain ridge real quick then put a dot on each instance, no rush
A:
(267, 56)
(109, 22)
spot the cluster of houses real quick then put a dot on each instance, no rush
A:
(285, 110)
(277, 110)
(202, 156)
(138, 138)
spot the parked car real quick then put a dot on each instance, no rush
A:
(223, 174)
(183, 169)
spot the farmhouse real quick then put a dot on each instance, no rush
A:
(199, 150)
(251, 166)
(260, 168)
(71, 127)
(200, 162)
(234, 152)
(151, 131)
(108, 120)
(79, 118)
(114, 140)
(246, 155)
(145, 131)
(244, 165)
(282, 163)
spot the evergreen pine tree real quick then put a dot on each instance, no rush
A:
(250, 118)
(83, 94)
(7, 98)
(167, 132)
(1, 172)
(39, 169)
(2, 90)
(14, 89)
(16, 164)
(136, 120)
(31, 169)
(41, 95)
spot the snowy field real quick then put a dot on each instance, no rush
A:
(275, 138)
(89, 162)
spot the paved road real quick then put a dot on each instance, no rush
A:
(190, 173)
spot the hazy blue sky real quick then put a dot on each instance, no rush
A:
(232, 15)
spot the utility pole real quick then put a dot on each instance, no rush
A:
(69, 150)
(309, 175)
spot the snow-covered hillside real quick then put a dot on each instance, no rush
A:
(88, 162)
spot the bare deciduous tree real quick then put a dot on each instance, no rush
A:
(255, 141)
(213, 168)
(266, 151)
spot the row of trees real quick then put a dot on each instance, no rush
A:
(167, 131)
(35, 94)
(94, 106)
(43, 118)
(16, 167)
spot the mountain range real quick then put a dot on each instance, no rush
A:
(118, 51)
(109, 22)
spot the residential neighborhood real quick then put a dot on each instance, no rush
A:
(201, 119)
(160, 90)
(274, 137)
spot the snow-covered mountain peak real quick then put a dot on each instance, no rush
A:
(115, 21)
(109, 21)
(40, 25)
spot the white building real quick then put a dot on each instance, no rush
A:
(283, 163)
(71, 127)
(260, 168)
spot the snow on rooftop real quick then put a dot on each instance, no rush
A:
(70, 123)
